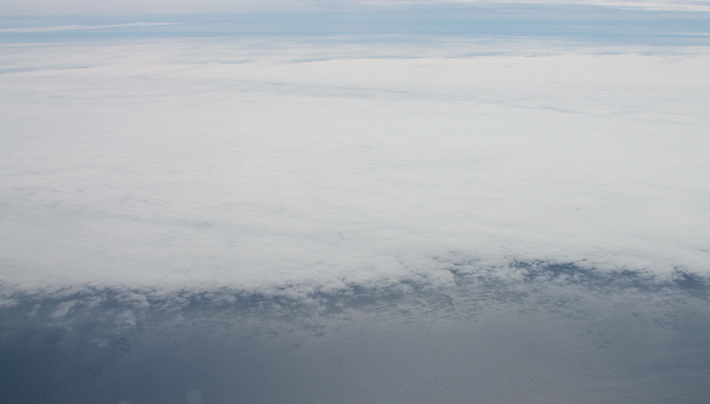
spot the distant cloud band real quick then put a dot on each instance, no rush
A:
(83, 27)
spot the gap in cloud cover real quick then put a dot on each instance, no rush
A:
(554, 335)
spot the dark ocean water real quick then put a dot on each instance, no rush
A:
(558, 334)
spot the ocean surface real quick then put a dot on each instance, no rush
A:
(557, 335)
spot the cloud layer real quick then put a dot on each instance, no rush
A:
(260, 165)
(135, 7)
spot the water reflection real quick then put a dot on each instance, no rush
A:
(556, 334)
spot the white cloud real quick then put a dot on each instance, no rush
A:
(206, 164)
(62, 309)
(83, 27)
(133, 7)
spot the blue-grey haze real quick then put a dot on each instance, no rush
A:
(583, 24)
